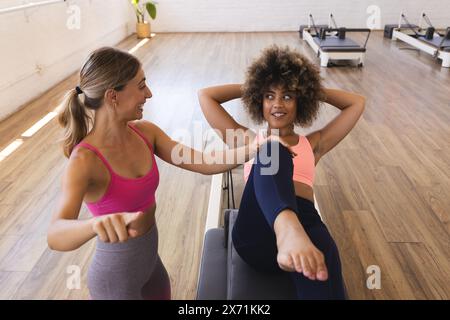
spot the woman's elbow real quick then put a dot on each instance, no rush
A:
(212, 170)
(53, 241)
(361, 100)
(358, 104)
(201, 93)
(208, 171)
(54, 246)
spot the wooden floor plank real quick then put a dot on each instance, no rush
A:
(373, 250)
(23, 254)
(439, 201)
(422, 272)
(48, 278)
(10, 281)
(391, 171)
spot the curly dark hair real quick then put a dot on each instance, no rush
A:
(292, 71)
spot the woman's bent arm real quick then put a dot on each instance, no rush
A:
(66, 232)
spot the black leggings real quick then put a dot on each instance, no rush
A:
(264, 197)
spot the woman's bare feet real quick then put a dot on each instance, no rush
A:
(296, 252)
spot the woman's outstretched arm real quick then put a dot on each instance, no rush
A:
(216, 161)
(185, 157)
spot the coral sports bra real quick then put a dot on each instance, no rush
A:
(304, 162)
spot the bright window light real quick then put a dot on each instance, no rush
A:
(38, 125)
(136, 47)
(10, 149)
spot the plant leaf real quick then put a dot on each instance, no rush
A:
(151, 9)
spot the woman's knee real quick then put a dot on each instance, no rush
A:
(273, 158)
(274, 148)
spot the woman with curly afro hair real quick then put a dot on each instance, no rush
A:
(278, 228)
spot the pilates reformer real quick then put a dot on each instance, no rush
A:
(225, 276)
(331, 43)
(428, 40)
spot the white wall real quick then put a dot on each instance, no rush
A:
(40, 38)
(286, 15)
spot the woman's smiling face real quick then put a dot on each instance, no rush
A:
(279, 107)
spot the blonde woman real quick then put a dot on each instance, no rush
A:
(112, 168)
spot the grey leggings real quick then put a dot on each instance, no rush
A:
(131, 270)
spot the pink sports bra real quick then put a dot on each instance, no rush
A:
(125, 194)
(304, 162)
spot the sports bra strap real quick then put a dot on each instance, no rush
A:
(98, 153)
(141, 135)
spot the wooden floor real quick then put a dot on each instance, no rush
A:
(383, 192)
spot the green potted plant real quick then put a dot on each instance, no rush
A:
(143, 29)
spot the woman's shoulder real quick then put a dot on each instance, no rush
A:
(147, 128)
(142, 124)
(84, 162)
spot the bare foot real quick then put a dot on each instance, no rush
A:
(296, 252)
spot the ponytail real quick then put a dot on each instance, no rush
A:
(75, 119)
